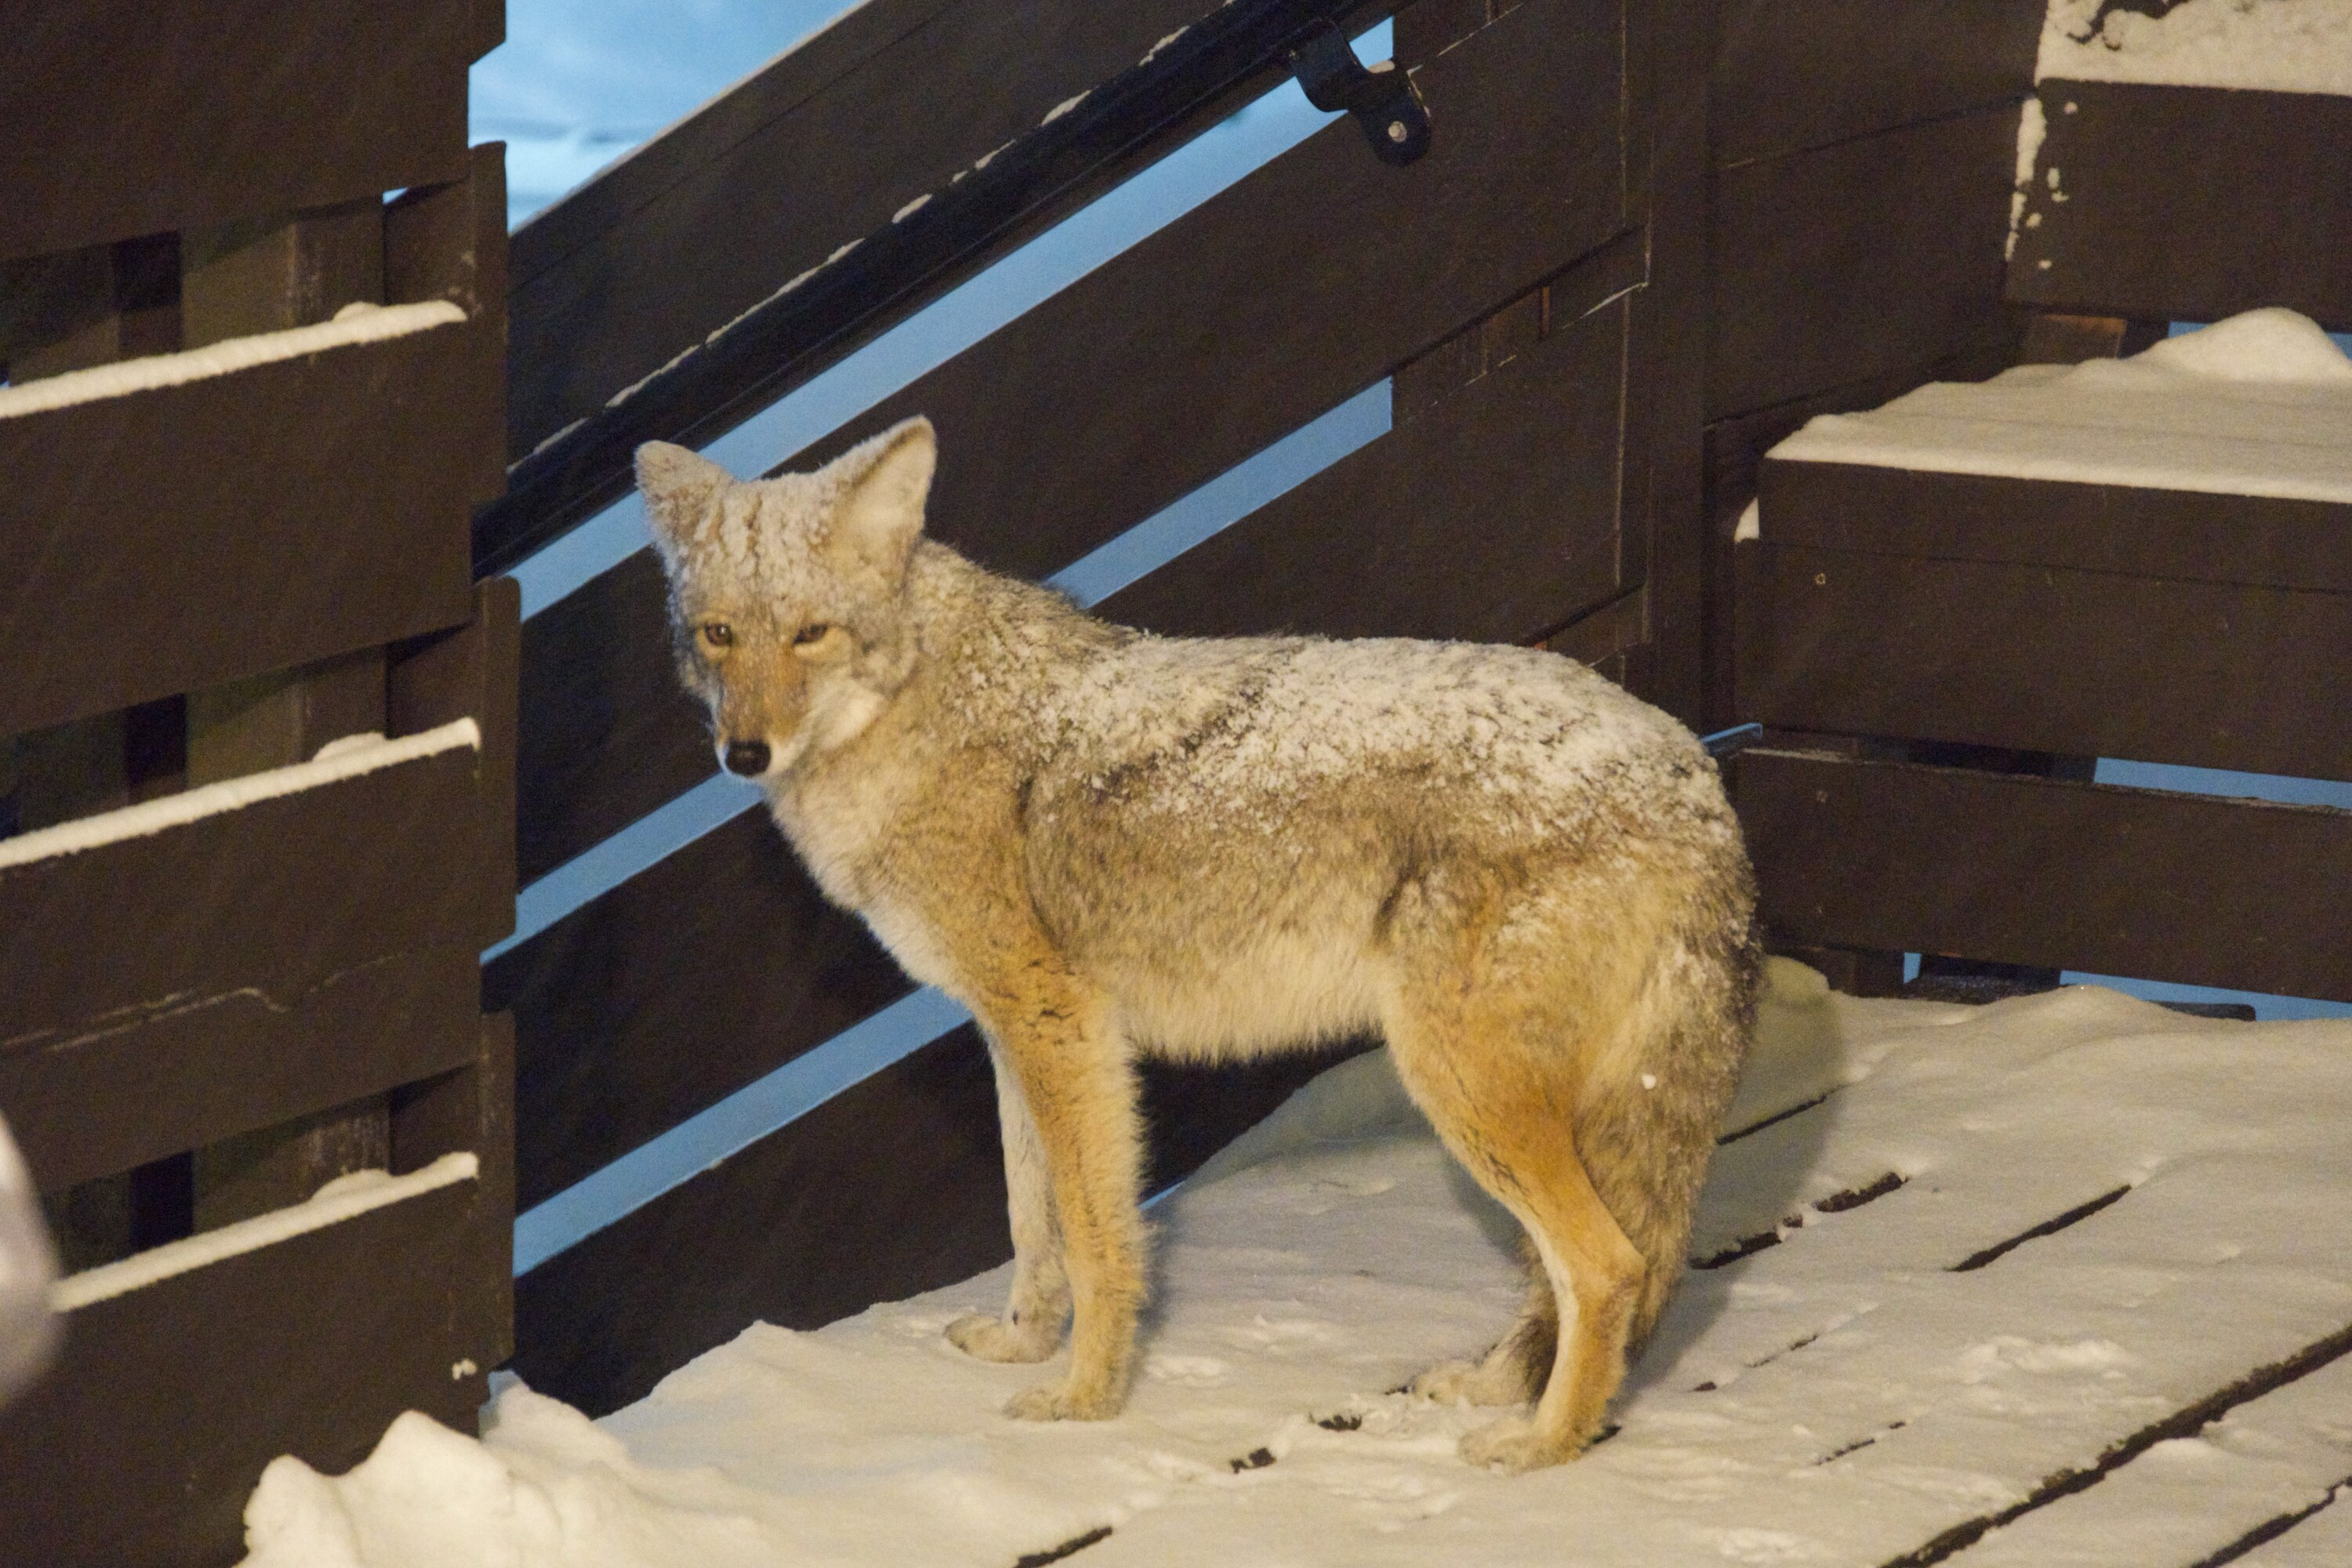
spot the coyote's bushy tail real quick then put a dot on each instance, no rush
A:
(1646, 1148)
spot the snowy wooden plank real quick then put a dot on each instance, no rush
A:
(1259, 310)
(2239, 894)
(278, 513)
(450, 242)
(614, 279)
(1529, 456)
(208, 114)
(1857, 259)
(192, 973)
(2185, 202)
(2047, 658)
(470, 673)
(143, 1441)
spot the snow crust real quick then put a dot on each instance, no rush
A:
(358, 322)
(337, 761)
(2278, 46)
(2258, 404)
(1839, 1397)
(345, 1198)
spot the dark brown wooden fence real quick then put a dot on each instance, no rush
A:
(233, 970)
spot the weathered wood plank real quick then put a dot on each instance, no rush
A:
(192, 513)
(2240, 894)
(818, 149)
(1865, 67)
(471, 672)
(450, 242)
(2253, 541)
(471, 1110)
(2188, 204)
(2049, 660)
(257, 964)
(1858, 260)
(1255, 313)
(219, 112)
(140, 1447)
(681, 985)
(894, 1187)
(1493, 517)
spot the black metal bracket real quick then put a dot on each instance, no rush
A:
(1383, 98)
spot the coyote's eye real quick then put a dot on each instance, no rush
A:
(718, 633)
(815, 631)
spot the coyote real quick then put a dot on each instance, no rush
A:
(1106, 843)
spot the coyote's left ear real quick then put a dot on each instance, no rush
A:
(888, 480)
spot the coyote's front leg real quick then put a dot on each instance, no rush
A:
(1057, 1038)
(1032, 1325)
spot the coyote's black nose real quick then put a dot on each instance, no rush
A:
(748, 758)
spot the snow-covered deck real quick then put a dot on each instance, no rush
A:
(2063, 1280)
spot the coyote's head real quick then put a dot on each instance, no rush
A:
(785, 594)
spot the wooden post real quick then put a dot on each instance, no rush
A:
(239, 279)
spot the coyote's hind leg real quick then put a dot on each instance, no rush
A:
(1040, 1302)
(1515, 1370)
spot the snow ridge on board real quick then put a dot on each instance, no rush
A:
(2258, 405)
(2275, 46)
(358, 322)
(337, 761)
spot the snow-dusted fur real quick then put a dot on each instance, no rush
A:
(1106, 844)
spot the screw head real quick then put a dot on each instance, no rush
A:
(1397, 132)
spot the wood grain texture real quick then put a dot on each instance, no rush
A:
(140, 1447)
(679, 986)
(2044, 658)
(1253, 313)
(191, 515)
(1493, 517)
(2240, 894)
(2189, 204)
(818, 149)
(200, 981)
(2256, 541)
(1790, 75)
(895, 1187)
(1858, 260)
(211, 112)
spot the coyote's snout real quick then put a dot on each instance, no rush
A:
(1105, 843)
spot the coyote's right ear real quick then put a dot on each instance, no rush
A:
(678, 487)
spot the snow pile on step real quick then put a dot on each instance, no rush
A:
(1952, 1256)
(2258, 405)
(2279, 46)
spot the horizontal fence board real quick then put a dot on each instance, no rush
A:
(2253, 541)
(1253, 314)
(471, 672)
(186, 536)
(678, 987)
(1866, 67)
(2189, 204)
(1491, 516)
(1858, 260)
(2245, 895)
(895, 1187)
(140, 1447)
(273, 917)
(218, 111)
(2040, 658)
(819, 148)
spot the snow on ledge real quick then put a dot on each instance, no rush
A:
(2273, 46)
(2260, 404)
(355, 323)
(345, 1198)
(337, 761)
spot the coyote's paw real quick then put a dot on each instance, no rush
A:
(993, 1339)
(1514, 1446)
(1472, 1382)
(1060, 1402)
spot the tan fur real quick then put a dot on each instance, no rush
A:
(1108, 843)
